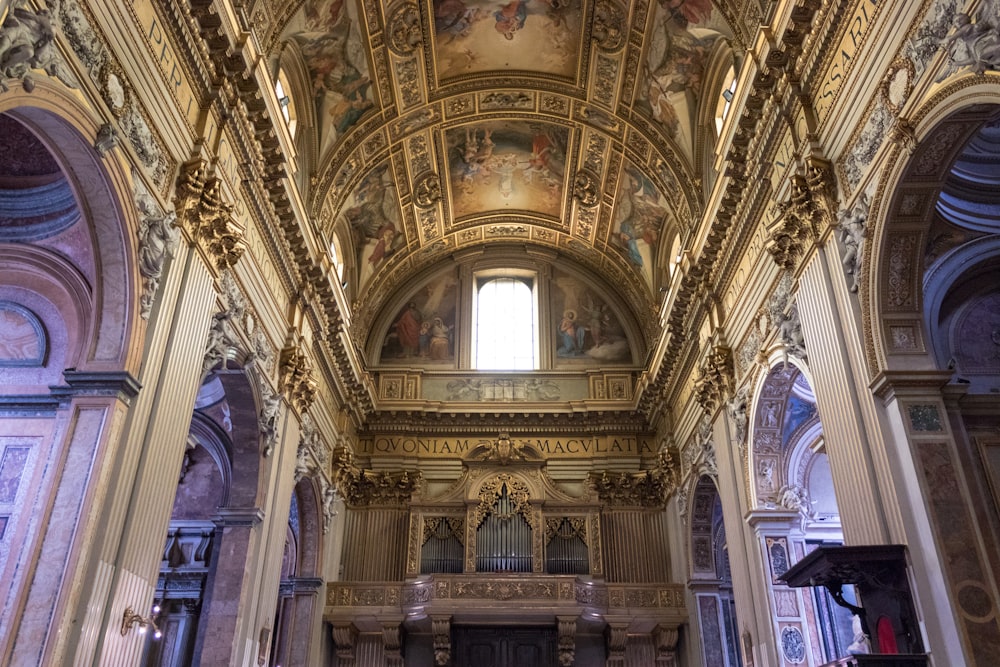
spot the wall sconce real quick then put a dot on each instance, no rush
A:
(130, 618)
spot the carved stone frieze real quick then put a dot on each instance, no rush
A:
(361, 487)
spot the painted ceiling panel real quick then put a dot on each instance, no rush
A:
(449, 125)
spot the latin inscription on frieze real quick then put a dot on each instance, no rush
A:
(529, 448)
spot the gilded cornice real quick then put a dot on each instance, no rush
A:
(503, 418)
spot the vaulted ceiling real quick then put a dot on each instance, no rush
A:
(584, 127)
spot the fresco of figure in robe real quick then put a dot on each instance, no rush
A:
(423, 331)
(372, 213)
(331, 46)
(507, 166)
(587, 330)
(672, 75)
(483, 35)
(640, 213)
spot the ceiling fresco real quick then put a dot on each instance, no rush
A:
(477, 36)
(506, 166)
(328, 38)
(446, 125)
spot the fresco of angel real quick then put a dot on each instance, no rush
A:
(373, 215)
(335, 57)
(483, 35)
(639, 216)
(674, 69)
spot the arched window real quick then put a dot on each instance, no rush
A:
(506, 323)
(725, 100)
(285, 101)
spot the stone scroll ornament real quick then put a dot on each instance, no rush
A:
(27, 42)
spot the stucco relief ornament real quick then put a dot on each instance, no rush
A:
(795, 498)
(330, 498)
(737, 410)
(107, 139)
(221, 339)
(852, 233)
(427, 191)
(790, 331)
(404, 30)
(715, 377)
(296, 376)
(585, 188)
(157, 240)
(609, 26)
(27, 42)
(974, 43)
(268, 418)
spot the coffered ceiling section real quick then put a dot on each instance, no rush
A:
(440, 125)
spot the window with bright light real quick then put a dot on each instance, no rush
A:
(725, 101)
(506, 326)
(285, 101)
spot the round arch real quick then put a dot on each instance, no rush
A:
(892, 293)
(103, 190)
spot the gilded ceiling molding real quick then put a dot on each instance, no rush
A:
(403, 29)
(609, 27)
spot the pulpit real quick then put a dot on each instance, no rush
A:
(887, 615)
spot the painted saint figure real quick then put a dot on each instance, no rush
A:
(407, 328)
(572, 335)
(511, 17)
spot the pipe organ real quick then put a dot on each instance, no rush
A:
(503, 546)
